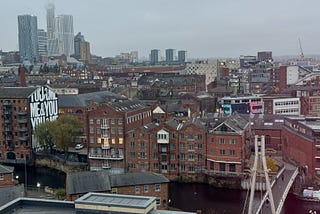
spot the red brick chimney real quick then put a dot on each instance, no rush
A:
(22, 74)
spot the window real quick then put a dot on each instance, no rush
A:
(212, 140)
(199, 136)
(112, 121)
(200, 146)
(172, 157)
(221, 140)
(155, 156)
(91, 121)
(181, 135)
(98, 121)
(120, 140)
(232, 167)
(119, 121)
(222, 167)
(222, 152)
(132, 144)
(98, 131)
(120, 131)
(157, 187)
(156, 166)
(211, 151)
(132, 154)
(142, 155)
(114, 190)
(113, 131)
(137, 188)
(158, 202)
(91, 130)
(1, 177)
(211, 165)
(146, 188)
(232, 152)
(232, 141)
(142, 144)
(191, 137)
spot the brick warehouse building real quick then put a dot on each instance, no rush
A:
(107, 126)
(22, 109)
(301, 143)
(171, 148)
(226, 144)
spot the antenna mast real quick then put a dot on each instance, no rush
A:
(301, 52)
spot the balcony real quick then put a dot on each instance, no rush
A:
(105, 146)
(23, 138)
(22, 113)
(23, 129)
(7, 112)
(7, 121)
(106, 157)
(22, 120)
(106, 166)
(104, 126)
(105, 136)
(6, 103)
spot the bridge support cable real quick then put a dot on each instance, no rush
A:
(259, 147)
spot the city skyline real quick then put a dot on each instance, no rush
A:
(209, 29)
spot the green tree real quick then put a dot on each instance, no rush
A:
(64, 130)
(61, 193)
(43, 136)
(272, 165)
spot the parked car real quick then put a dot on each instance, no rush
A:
(79, 146)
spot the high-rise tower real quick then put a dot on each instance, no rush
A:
(28, 37)
(64, 34)
(52, 46)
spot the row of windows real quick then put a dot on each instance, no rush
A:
(283, 111)
(106, 141)
(232, 152)
(157, 188)
(112, 130)
(105, 121)
(223, 166)
(190, 136)
(223, 141)
(286, 103)
(13, 101)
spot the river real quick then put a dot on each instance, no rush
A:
(184, 196)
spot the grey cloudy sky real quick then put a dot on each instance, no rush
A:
(205, 28)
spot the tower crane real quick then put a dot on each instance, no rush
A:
(301, 52)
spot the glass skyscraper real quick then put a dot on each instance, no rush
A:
(64, 34)
(28, 37)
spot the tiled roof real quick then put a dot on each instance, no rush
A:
(127, 105)
(83, 182)
(131, 179)
(16, 92)
(83, 100)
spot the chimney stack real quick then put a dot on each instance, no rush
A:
(22, 74)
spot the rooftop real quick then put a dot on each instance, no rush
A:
(6, 169)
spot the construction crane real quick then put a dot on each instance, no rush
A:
(301, 52)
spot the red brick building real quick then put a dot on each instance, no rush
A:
(301, 143)
(107, 125)
(176, 150)
(142, 184)
(22, 109)
(226, 145)
(6, 176)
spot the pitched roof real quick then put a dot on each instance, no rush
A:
(127, 105)
(83, 100)
(6, 169)
(16, 92)
(130, 179)
(91, 181)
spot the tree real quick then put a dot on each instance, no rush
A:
(64, 130)
(43, 136)
(272, 165)
(60, 132)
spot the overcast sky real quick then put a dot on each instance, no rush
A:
(205, 28)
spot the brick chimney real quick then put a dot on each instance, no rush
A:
(22, 74)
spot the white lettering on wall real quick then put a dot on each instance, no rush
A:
(43, 106)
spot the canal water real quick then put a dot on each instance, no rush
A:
(183, 196)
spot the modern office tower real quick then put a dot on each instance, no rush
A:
(42, 43)
(77, 40)
(64, 34)
(169, 56)
(182, 56)
(85, 51)
(265, 56)
(154, 56)
(28, 37)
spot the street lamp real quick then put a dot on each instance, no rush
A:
(38, 185)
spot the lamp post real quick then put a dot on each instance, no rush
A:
(38, 186)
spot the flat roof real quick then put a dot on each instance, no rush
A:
(129, 201)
